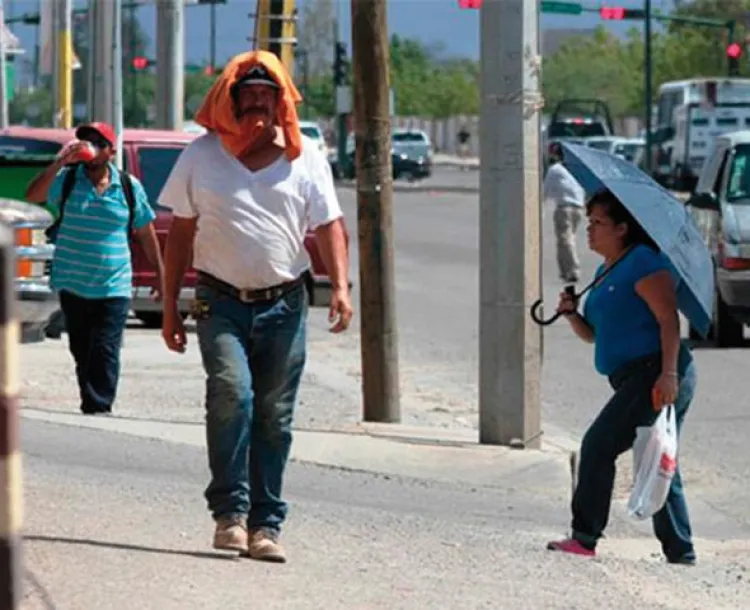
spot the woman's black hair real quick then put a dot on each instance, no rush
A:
(619, 214)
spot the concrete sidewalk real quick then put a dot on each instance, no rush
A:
(116, 520)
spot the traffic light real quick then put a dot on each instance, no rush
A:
(618, 13)
(469, 3)
(141, 63)
(734, 52)
(340, 65)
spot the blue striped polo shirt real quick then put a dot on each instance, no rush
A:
(92, 254)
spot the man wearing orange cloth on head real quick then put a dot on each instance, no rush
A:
(243, 196)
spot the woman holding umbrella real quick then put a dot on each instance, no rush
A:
(631, 317)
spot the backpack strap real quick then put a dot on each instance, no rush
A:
(127, 187)
(69, 181)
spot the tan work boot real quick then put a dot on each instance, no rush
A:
(264, 545)
(231, 534)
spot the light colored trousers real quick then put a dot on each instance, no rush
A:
(567, 220)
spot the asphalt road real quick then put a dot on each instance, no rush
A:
(118, 522)
(437, 262)
(437, 287)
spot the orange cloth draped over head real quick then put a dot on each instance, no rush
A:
(217, 113)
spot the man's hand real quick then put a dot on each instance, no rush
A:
(173, 329)
(155, 294)
(340, 311)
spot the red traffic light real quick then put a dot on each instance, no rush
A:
(734, 51)
(609, 12)
(469, 3)
(140, 63)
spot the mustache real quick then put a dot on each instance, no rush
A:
(255, 110)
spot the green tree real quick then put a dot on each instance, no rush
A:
(598, 66)
(32, 107)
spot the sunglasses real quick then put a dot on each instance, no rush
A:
(95, 139)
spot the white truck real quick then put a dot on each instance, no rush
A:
(691, 115)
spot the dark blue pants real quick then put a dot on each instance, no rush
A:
(612, 433)
(95, 328)
(253, 355)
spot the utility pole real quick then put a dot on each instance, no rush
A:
(131, 56)
(101, 87)
(212, 39)
(647, 83)
(4, 120)
(380, 383)
(63, 63)
(509, 232)
(117, 110)
(170, 66)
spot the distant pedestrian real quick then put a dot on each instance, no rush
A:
(568, 197)
(464, 143)
(243, 197)
(631, 318)
(96, 207)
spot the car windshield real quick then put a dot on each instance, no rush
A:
(156, 163)
(738, 185)
(21, 159)
(570, 129)
(600, 144)
(311, 132)
(13, 147)
(410, 137)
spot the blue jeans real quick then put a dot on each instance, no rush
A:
(95, 328)
(253, 355)
(612, 433)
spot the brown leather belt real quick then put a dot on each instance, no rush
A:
(247, 295)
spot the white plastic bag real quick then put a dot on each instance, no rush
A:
(654, 465)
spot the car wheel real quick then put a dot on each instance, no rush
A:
(727, 331)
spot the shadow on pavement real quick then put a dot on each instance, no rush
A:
(130, 547)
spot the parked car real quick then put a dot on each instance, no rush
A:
(313, 131)
(149, 155)
(626, 148)
(35, 301)
(409, 165)
(721, 210)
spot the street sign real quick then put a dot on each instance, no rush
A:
(10, 79)
(564, 8)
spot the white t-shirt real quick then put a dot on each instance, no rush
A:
(251, 225)
(561, 188)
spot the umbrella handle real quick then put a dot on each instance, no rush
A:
(536, 317)
(535, 308)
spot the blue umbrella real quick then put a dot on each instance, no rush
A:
(662, 216)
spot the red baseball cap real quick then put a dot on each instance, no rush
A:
(103, 129)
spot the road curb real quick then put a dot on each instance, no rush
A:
(398, 188)
(452, 456)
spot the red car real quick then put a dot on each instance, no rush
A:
(149, 155)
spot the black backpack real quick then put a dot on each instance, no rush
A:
(67, 188)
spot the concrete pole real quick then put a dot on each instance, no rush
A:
(647, 69)
(117, 110)
(101, 75)
(56, 62)
(509, 233)
(4, 119)
(11, 478)
(380, 384)
(63, 63)
(170, 43)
